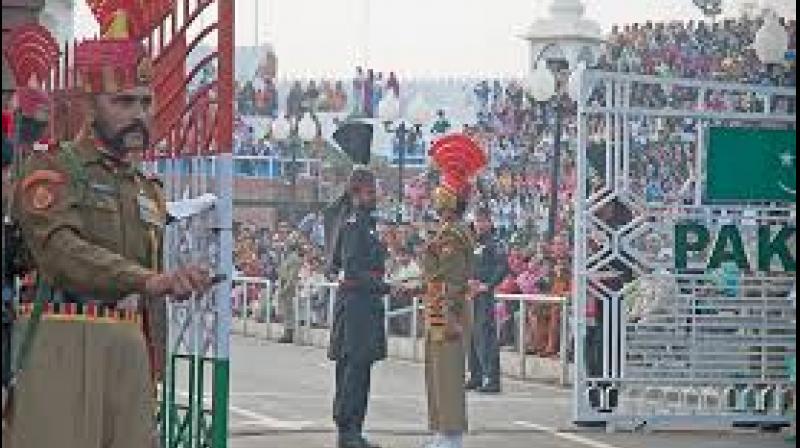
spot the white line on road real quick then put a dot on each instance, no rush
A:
(257, 419)
(273, 423)
(566, 436)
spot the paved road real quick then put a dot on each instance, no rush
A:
(280, 397)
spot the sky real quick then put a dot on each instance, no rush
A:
(327, 38)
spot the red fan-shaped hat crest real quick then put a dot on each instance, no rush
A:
(460, 159)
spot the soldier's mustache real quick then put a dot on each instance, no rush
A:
(117, 142)
(137, 126)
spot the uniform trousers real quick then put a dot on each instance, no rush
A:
(444, 380)
(353, 379)
(86, 385)
(484, 354)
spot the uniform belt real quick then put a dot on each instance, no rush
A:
(350, 283)
(89, 312)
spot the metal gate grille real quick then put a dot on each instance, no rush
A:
(658, 345)
(193, 50)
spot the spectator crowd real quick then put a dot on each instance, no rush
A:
(519, 137)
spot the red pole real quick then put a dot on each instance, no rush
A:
(225, 29)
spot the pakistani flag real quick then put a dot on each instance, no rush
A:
(752, 165)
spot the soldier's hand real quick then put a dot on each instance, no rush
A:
(158, 286)
(199, 278)
(180, 283)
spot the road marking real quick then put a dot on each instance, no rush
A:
(257, 419)
(565, 436)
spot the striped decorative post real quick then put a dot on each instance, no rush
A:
(193, 134)
(224, 139)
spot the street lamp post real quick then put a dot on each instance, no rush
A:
(296, 131)
(545, 88)
(563, 39)
(772, 43)
(405, 132)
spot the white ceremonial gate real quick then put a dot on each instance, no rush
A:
(683, 315)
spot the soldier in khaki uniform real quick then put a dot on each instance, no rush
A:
(288, 279)
(94, 223)
(447, 263)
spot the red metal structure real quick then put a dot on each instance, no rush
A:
(187, 123)
(31, 53)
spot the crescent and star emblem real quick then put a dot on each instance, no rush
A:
(788, 160)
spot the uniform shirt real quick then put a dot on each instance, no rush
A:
(289, 275)
(363, 256)
(358, 330)
(491, 264)
(93, 224)
(451, 262)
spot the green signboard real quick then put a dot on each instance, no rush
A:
(748, 165)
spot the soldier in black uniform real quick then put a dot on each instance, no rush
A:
(357, 258)
(491, 268)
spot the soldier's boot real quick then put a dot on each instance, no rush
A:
(492, 387)
(359, 428)
(438, 441)
(288, 337)
(352, 440)
(368, 444)
(454, 440)
(473, 383)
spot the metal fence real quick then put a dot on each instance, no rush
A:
(685, 349)
(254, 305)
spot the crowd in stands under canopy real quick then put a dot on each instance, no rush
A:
(519, 136)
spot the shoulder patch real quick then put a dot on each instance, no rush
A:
(42, 197)
(42, 176)
(42, 189)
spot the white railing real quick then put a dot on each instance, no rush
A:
(259, 310)
(242, 300)
(526, 300)
(273, 166)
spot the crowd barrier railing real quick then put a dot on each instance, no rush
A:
(530, 300)
(249, 306)
(262, 310)
(270, 167)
